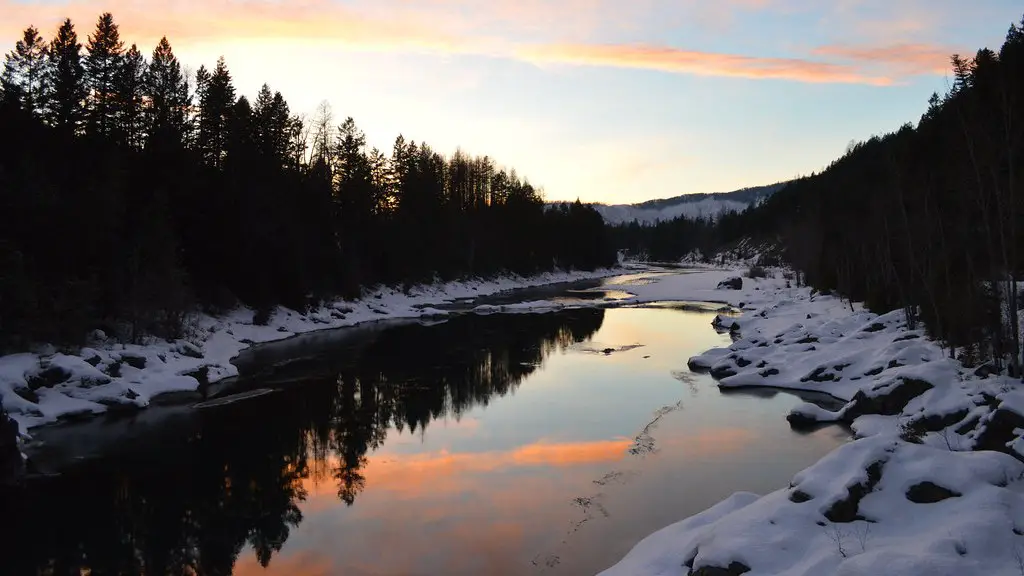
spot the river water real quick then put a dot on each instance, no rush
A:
(499, 444)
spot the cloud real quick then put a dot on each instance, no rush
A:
(905, 59)
(188, 21)
(674, 60)
(520, 30)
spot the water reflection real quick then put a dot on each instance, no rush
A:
(235, 478)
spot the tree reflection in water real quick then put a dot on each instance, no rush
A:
(192, 501)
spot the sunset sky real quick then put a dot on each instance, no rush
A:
(614, 101)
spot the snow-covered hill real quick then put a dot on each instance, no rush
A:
(689, 205)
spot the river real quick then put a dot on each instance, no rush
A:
(484, 444)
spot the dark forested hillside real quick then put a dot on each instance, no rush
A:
(929, 218)
(130, 193)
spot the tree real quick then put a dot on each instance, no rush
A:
(24, 75)
(271, 126)
(216, 99)
(167, 92)
(129, 88)
(103, 64)
(65, 103)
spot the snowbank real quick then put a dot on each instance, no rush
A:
(932, 484)
(40, 388)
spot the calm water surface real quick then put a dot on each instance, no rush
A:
(501, 444)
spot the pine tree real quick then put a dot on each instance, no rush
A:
(167, 92)
(103, 63)
(65, 105)
(216, 99)
(24, 75)
(271, 126)
(129, 89)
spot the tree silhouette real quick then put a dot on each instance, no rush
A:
(65, 106)
(103, 64)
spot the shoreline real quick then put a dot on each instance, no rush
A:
(49, 386)
(932, 481)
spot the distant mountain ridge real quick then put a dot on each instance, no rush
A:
(689, 205)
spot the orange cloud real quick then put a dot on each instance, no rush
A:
(907, 59)
(185, 21)
(667, 59)
(502, 28)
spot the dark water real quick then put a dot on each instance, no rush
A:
(500, 444)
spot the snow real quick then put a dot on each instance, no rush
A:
(624, 214)
(689, 205)
(908, 495)
(42, 387)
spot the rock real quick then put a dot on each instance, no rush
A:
(114, 370)
(48, 378)
(201, 374)
(93, 361)
(820, 375)
(938, 422)
(846, 509)
(799, 497)
(27, 394)
(800, 421)
(999, 430)
(724, 371)
(734, 283)
(136, 361)
(734, 569)
(888, 403)
(725, 323)
(769, 372)
(929, 493)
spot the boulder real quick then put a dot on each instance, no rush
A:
(734, 283)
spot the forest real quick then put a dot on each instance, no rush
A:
(133, 193)
(928, 218)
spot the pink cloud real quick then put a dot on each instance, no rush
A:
(501, 28)
(667, 59)
(905, 59)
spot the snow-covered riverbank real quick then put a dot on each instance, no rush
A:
(931, 485)
(46, 385)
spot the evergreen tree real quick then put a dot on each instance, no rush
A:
(216, 99)
(128, 99)
(24, 75)
(103, 64)
(167, 91)
(271, 121)
(65, 106)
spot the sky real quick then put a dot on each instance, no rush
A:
(614, 101)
